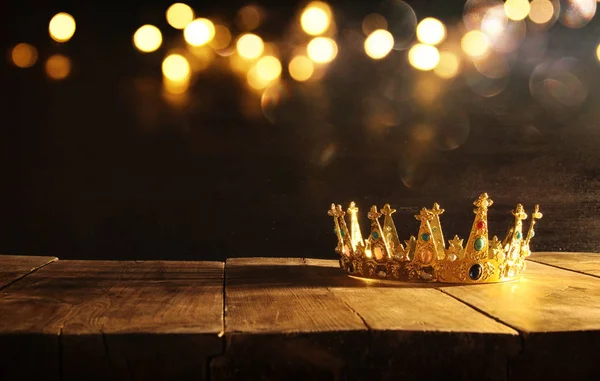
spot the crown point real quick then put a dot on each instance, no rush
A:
(483, 201)
(387, 210)
(424, 214)
(373, 213)
(352, 209)
(436, 209)
(332, 211)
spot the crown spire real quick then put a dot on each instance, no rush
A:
(515, 236)
(377, 241)
(477, 245)
(436, 227)
(389, 229)
(536, 215)
(426, 247)
(356, 235)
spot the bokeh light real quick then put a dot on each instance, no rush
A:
(431, 31)
(222, 37)
(598, 52)
(199, 32)
(147, 38)
(24, 55)
(494, 22)
(301, 68)
(176, 67)
(248, 18)
(62, 27)
(423, 57)
(179, 15)
(268, 68)
(256, 81)
(516, 10)
(379, 44)
(250, 46)
(448, 66)
(373, 22)
(577, 13)
(316, 18)
(401, 21)
(474, 43)
(58, 67)
(541, 11)
(475, 11)
(322, 49)
(492, 66)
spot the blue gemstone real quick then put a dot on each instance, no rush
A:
(425, 237)
(475, 271)
(479, 243)
(375, 235)
(519, 235)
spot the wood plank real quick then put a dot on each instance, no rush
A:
(15, 267)
(586, 263)
(114, 320)
(313, 301)
(553, 309)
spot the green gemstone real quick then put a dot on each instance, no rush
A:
(342, 233)
(519, 235)
(479, 243)
(375, 235)
(425, 237)
(434, 229)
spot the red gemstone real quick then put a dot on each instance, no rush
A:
(480, 225)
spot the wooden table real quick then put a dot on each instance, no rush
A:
(284, 318)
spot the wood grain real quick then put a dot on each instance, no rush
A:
(117, 320)
(14, 267)
(586, 263)
(558, 314)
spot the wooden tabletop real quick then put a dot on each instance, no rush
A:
(288, 318)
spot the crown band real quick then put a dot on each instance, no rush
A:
(426, 258)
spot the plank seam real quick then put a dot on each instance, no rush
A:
(350, 308)
(30, 272)
(563, 268)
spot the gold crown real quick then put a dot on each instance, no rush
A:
(426, 257)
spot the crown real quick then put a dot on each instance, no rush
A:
(426, 258)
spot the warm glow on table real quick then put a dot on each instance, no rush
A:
(62, 27)
(147, 38)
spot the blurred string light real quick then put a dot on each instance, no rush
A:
(268, 68)
(147, 38)
(448, 66)
(322, 49)
(24, 55)
(248, 18)
(516, 10)
(255, 80)
(541, 11)
(577, 13)
(423, 57)
(250, 46)
(58, 67)
(199, 32)
(221, 39)
(62, 27)
(301, 68)
(316, 18)
(179, 15)
(431, 31)
(598, 52)
(176, 67)
(373, 22)
(401, 21)
(379, 44)
(474, 43)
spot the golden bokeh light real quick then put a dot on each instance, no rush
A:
(541, 11)
(58, 67)
(250, 46)
(222, 37)
(255, 81)
(268, 68)
(431, 31)
(62, 27)
(475, 43)
(176, 67)
(379, 44)
(147, 38)
(301, 68)
(423, 57)
(448, 66)
(179, 15)
(598, 52)
(516, 10)
(24, 55)
(316, 18)
(322, 49)
(176, 87)
(199, 32)
(248, 18)
(373, 22)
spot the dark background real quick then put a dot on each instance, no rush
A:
(99, 165)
